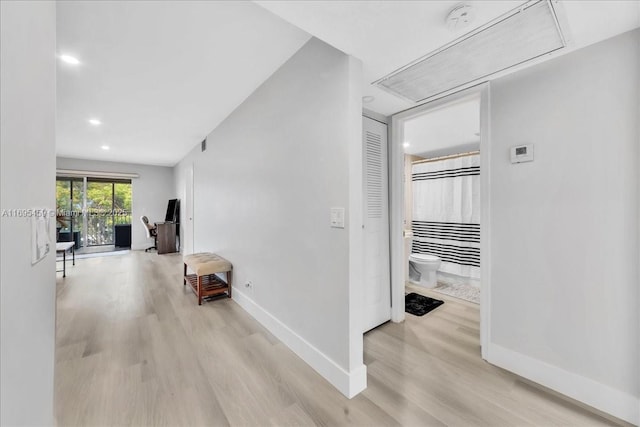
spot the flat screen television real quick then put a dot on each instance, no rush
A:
(172, 211)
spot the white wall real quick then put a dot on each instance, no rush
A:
(150, 192)
(263, 192)
(27, 173)
(564, 285)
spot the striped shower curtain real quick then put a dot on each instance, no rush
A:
(446, 213)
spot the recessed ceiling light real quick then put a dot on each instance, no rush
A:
(368, 98)
(70, 59)
(105, 147)
(406, 144)
(95, 122)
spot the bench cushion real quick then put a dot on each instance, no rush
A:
(205, 263)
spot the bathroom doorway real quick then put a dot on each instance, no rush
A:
(189, 212)
(440, 204)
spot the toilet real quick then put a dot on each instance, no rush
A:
(427, 266)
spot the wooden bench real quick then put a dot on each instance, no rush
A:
(205, 282)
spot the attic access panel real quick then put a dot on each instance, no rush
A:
(519, 36)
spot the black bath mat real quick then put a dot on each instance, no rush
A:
(419, 305)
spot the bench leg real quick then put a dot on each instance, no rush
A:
(229, 278)
(199, 290)
(184, 276)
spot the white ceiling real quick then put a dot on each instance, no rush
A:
(160, 75)
(452, 129)
(387, 35)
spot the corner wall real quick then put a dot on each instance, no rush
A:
(263, 190)
(565, 279)
(150, 192)
(27, 173)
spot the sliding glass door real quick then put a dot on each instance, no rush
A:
(90, 208)
(108, 204)
(69, 204)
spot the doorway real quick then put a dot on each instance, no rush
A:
(189, 211)
(108, 205)
(400, 212)
(70, 206)
(377, 295)
(95, 213)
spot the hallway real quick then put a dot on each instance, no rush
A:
(134, 348)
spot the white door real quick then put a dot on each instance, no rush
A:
(188, 217)
(377, 308)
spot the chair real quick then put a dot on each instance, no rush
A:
(152, 231)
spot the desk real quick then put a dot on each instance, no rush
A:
(166, 238)
(63, 247)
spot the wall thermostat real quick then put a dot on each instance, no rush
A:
(522, 153)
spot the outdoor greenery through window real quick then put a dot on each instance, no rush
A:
(89, 215)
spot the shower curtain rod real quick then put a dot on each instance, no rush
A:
(450, 156)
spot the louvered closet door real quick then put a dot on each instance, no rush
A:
(377, 282)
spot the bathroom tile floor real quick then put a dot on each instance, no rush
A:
(459, 290)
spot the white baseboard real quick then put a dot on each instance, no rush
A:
(348, 383)
(600, 396)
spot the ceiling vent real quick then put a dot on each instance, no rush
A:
(521, 35)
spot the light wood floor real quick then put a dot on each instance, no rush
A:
(134, 348)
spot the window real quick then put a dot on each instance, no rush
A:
(89, 209)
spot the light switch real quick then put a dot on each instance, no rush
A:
(40, 236)
(337, 217)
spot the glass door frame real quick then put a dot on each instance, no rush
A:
(112, 209)
(84, 213)
(70, 212)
